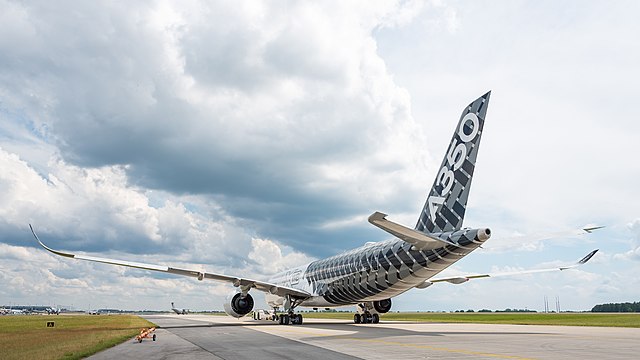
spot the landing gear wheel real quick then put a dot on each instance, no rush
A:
(375, 318)
(356, 319)
(366, 318)
(363, 319)
(284, 319)
(299, 316)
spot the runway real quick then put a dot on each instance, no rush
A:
(221, 337)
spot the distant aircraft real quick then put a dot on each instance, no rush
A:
(179, 311)
(5, 311)
(53, 311)
(371, 275)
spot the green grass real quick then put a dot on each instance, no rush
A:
(566, 319)
(73, 337)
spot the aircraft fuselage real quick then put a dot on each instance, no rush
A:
(373, 272)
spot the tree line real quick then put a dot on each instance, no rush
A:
(617, 307)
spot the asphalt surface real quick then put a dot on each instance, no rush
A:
(220, 337)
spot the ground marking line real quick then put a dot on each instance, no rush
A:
(419, 346)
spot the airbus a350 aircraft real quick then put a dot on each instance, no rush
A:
(371, 275)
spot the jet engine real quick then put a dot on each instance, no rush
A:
(237, 306)
(382, 306)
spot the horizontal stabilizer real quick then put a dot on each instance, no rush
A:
(592, 229)
(420, 240)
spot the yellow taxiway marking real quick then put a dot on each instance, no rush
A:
(418, 346)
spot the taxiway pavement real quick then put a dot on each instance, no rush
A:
(221, 337)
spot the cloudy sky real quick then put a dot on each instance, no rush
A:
(247, 137)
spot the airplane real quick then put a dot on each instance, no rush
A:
(5, 311)
(12, 311)
(53, 311)
(371, 275)
(179, 311)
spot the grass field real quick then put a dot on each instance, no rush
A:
(568, 319)
(73, 337)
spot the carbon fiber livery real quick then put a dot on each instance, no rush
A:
(379, 271)
(371, 275)
(382, 270)
(447, 201)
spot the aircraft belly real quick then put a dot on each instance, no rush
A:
(317, 301)
(380, 273)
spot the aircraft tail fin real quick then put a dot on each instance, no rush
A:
(447, 200)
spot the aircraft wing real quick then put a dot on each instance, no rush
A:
(464, 278)
(552, 235)
(234, 280)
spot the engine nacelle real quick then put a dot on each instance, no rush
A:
(237, 306)
(382, 306)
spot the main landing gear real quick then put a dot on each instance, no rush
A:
(290, 317)
(369, 312)
(366, 318)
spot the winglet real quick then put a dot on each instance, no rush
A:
(581, 261)
(463, 278)
(48, 248)
(588, 257)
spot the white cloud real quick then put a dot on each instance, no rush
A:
(270, 259)
(73, 198)
(634, 252)
(32, 276)
(264, 106)
(194, 133)
(241, 138)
